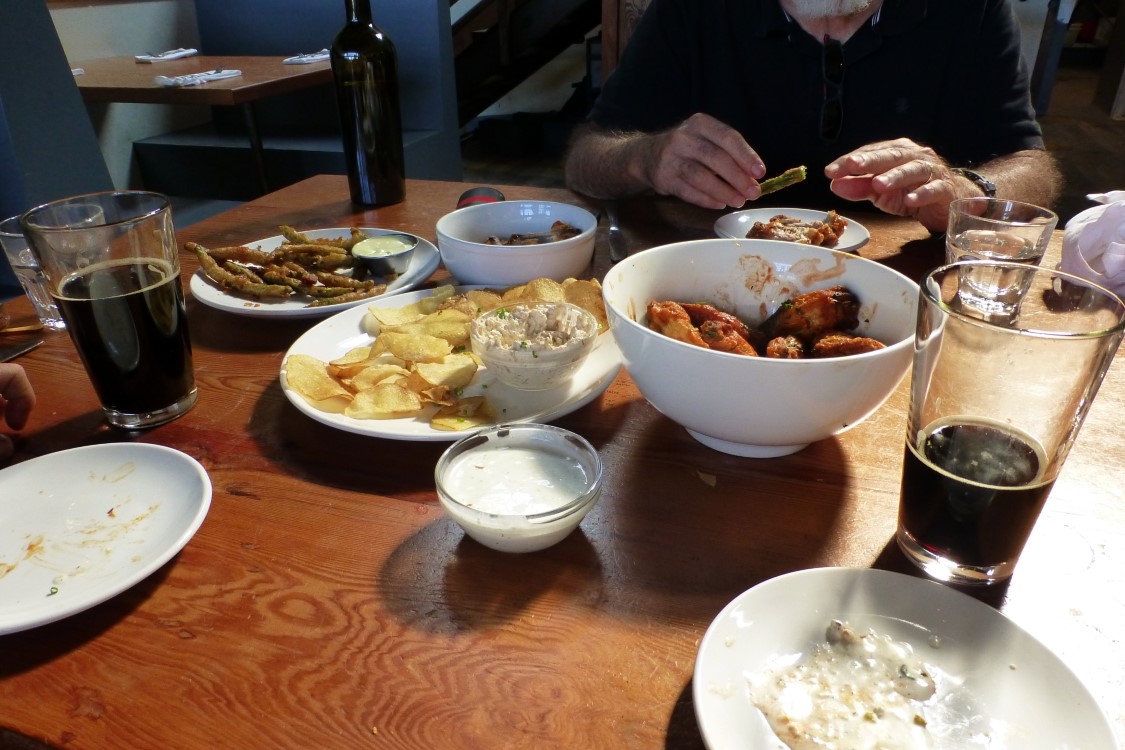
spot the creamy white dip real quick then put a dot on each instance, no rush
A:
(515, 480)
(534, 346)
(855, 691)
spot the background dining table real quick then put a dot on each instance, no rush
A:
(327, 600)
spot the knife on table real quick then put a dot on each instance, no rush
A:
(618, 249)
(11, 351)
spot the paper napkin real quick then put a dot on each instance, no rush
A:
(172, 54)
(194, 79)
(1094, 242)
(308, 57)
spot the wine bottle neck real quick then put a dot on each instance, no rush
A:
(358, 10)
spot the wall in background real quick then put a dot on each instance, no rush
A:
(88, 32)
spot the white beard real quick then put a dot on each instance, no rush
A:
(821, 9)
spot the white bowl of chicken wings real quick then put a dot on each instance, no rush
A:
(761, 348)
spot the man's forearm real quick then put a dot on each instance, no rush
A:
(1030, 176)
(604, 164)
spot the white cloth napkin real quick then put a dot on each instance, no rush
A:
(194, 79)
(1094, 242)
(172, 54)
(308, 57)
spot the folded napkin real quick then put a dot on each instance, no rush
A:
(194, 79)
(172, 54)
(308, 57)
(1094, 242)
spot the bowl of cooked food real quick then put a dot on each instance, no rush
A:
(534, 346)
(512, 242)
(519, 487)
(759, 348)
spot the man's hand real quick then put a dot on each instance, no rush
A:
(17, 398)
(701, 161)
(704, 162)
(902, 178)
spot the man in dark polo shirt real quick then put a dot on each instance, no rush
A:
(904, 103)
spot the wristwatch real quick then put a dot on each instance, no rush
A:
(987, 186)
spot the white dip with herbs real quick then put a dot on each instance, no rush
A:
(534, 346)
(539, 328)
(856, 691)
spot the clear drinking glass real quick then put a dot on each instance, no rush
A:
(116, 280)
(996, 403)
(26, 268)
(996, 229)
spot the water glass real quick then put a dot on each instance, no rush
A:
(996, 229)
(116, 280)
(996, 403)
(26, 268)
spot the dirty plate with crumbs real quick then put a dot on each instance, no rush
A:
(80, 526)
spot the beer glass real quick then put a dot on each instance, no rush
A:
(996, 403)
(117, 283)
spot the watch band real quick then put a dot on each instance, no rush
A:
(987, 186)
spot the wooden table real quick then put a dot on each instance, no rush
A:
(327, 601)
(123, 79)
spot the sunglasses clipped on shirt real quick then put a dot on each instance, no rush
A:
(832, 110)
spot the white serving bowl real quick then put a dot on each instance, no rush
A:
(504, 339)
(462, 242)
(519, 487)
(756, 406)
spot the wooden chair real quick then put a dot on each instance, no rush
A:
(619, 18)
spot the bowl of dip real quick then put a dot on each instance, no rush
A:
(534, 346)
(386, 254)
(519, 487)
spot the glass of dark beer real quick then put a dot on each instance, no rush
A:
(996, 403)
(117, 283)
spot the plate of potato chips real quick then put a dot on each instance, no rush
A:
(402, 368)
(237, 280)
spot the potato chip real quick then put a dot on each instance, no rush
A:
(449, 324)
(469, 413)
(543, 290)
(309, 377)
(455, 371)
(375, 373)
(482, 300)
(588, 296)
(413, 347)
(384, 401)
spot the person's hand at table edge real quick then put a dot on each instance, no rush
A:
(17, 399)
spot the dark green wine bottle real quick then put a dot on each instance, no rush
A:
(365, 69)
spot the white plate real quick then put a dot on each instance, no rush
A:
(1033, 701)
(422, 265)
(334, 337)
(735, 225)
(89, 523)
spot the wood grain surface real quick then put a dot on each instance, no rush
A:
(328, 602)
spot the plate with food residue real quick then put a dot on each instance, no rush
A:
(939, 670)
(788, 223)
(422, 265)
(82, 525)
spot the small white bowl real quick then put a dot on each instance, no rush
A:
(534, 346)
(519, 487)
(463, 242)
